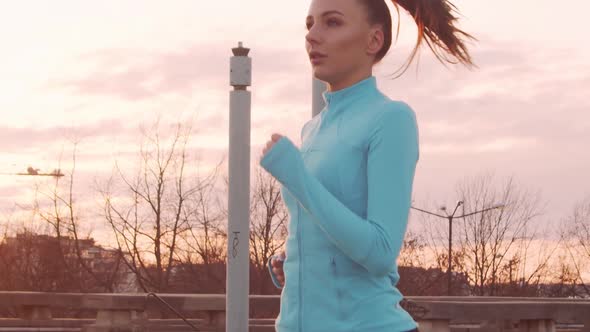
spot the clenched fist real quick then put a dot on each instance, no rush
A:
(273, 139)
(277, 267)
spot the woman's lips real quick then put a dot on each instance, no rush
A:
(316, 60)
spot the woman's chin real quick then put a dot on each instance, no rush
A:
(319, 73)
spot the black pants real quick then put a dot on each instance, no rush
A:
(414, 330)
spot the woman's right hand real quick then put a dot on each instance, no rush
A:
(277, 267)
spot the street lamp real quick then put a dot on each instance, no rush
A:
(450, 218)
(35, 172)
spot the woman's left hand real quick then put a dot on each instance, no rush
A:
(273, 139)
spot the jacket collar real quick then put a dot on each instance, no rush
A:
(353, 91)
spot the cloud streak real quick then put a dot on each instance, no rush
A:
(24, 140)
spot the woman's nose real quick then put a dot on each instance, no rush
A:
(312, 36)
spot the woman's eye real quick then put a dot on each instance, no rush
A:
(329, 22)
(332, 21)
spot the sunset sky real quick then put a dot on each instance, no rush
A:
(96, 71)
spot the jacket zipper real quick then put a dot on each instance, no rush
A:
(299, 233)
(300, 266)
(313, 134)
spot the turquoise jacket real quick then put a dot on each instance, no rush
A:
(348, 192)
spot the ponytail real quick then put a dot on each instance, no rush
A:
(435, 22)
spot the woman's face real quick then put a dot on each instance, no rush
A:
(339, 30)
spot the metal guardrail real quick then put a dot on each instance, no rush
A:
(178, 314)
(434, 314)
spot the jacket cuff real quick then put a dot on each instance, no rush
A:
(280, 160)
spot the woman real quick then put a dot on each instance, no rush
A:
(348, 188)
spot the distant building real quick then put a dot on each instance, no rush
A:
(53, 254)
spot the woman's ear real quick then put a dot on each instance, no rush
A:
(375, 40)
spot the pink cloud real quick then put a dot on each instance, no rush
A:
(133, 75)
(33, 139)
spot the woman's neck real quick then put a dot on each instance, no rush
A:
(348, 81)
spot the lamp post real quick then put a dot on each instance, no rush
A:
(450, 218)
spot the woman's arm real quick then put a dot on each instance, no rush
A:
(373, 242)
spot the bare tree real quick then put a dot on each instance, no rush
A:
(268, 230)
(498, 250)
(418, 276)
(576, 236)
(413, 251)
(204, 253)
(62, 244)
(152, 217)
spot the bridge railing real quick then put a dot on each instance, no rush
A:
(138, 312)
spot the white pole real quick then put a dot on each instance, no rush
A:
(238, 260)
(317, 103)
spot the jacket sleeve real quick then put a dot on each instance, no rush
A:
(273, 277)
(374, 242)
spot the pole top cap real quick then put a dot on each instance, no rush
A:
(240, 50)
